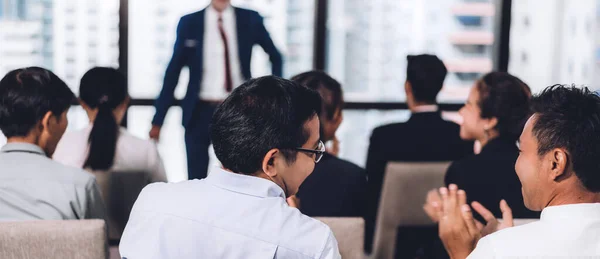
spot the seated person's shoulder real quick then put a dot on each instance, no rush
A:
(347, 167)
(70, 174)
(512, 239)
(138, 143)
(308, 234)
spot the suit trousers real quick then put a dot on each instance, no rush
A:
(197, 140)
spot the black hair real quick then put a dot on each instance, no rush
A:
(262, 114)
(105, 89)
(26, 95)
(507, 98)
(426, 74)
(569, 117)
(329, 89)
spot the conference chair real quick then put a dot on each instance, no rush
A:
(60, 239)
(405, 188)
(349, 233)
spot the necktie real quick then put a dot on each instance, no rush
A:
(228, 83)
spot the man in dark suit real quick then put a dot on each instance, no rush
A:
(336, 188)
(424, 137)
(216, 45)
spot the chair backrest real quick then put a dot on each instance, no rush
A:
(405, 188)
(62, 239)
(120, 191)
(349, 233)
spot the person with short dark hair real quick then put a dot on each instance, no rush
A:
(425, 137)
(33, 116)
(336, 188)
(266, 136)
(559, 169)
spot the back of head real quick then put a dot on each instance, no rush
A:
(569, 118)
(426, 75)
(104, 89)
(260, 115)
(27, 95)
(506, 98)
(331, 97)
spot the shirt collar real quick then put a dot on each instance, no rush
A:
(426, 108)
(571, 212)
(244, 184)
(22, 147)
(213, 13)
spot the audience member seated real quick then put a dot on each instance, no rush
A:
(559, 168)
(424, 137)
(336, 188)
(266, 135)
(33, 116)
(103, 145)
(494, 115)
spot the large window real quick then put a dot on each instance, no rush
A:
(65, 36)
(368, 42)
(555, 42)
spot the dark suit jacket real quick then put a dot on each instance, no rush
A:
(424, 137)
(188, 51)
(490, 177)
(336, 188)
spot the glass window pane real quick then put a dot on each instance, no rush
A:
(555, 42)
(171, 145)
(368, 42)
(152, 26)
(67, 37)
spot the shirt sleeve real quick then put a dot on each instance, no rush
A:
(484, 249)
(94, 207)
(331, 250)
(156, 166)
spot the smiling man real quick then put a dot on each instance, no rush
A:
(559, 169)
(266, 135)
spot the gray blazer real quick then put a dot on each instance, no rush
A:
(34, 187)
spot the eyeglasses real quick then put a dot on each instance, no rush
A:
(318, 152)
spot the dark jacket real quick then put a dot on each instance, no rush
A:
(336, 188)
(490, 177)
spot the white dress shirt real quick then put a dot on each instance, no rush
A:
(566, 231)
(132, 155)
(225, 215)
(213, 68)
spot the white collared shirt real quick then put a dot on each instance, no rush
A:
(213, 68)
(566, 231)
(225, 215)
(426, 108)
(132, 155)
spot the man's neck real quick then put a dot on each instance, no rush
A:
(574, 197)
(423, 107)
(27, 139)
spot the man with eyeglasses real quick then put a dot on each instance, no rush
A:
(266, 136)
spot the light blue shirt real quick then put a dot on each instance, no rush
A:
(226, 215)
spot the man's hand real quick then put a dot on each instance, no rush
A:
(492, 224)
(154, 132)
(432, 205)
(457, 227)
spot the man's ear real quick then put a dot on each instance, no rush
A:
(46, 121)
(559, 160)
(491, 123)
(408, 88)
(268, 163)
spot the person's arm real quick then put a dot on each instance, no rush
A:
(331, 250)
(265, 41)
(166, 96)
(94, 206)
